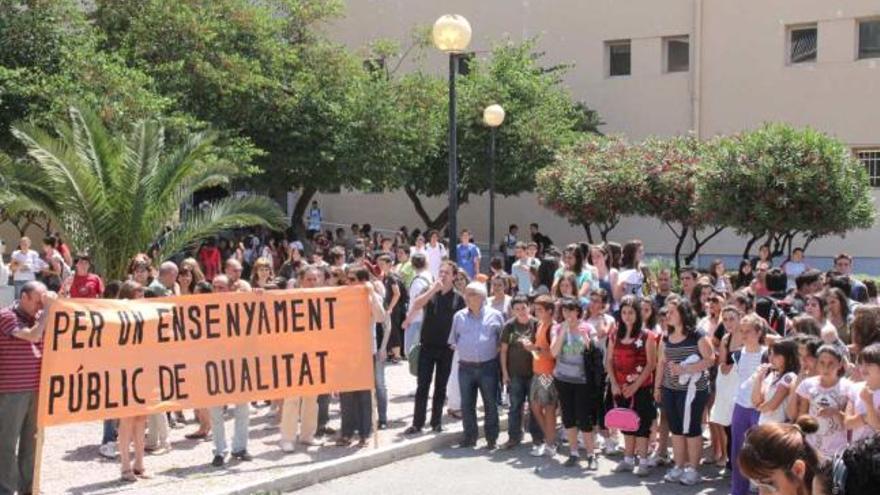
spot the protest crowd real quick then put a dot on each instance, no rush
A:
(769, 376)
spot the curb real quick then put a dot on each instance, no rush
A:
(346, 466)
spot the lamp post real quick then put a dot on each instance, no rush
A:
(493, 116)
(452, 34)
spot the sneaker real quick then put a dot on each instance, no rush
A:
(510, 444)
(538, 450)
(287, 447)
(383, 425)
(624, 466)
(108, 450)
(572, 461)
(412, 430)
(243, 456)
(611, 447)
(490, 445)
(550, 451)
(218, 461)
(437, 429)
(593, 463)
(643, 469)
(655, 460)
(674, 474)
(690, 477)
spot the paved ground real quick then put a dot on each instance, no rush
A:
(466, 472)
(71, 463)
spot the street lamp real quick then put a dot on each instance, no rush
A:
(452, 34)
(493, 116)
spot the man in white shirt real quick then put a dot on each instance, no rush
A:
(435, 251)
(26, 264)
(421, 283)
(522, 269)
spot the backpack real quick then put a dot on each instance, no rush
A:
(768, 309)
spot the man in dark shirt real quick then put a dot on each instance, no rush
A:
(540, 239)
(516, 364)
(441, 303)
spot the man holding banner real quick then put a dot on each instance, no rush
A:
(21, 351)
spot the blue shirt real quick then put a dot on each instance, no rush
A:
(467, 256)
(476, 337)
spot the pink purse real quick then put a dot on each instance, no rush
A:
(622, 418)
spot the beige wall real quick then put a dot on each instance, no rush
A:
(743, 81)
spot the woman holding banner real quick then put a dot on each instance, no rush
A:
(132, 429)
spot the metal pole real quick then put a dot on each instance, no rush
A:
(492, 193)
(452, 226)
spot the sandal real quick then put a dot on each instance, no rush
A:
(128, 477)
(141, 473)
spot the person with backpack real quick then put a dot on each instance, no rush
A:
(440, 304)
(421, 283)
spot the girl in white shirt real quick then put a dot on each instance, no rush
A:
(825, 397)
(776, 380)
(863, 409)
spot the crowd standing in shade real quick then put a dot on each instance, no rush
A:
(769, 375)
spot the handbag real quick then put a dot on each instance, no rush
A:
(413, 359)
(623, 418)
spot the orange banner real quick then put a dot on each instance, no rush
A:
(112, 359)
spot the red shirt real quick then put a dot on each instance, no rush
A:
(19, 359)
(629, 360)
(209, 258)
(88, 286)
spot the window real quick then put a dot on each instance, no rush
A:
(869, 39)
(677, 54)
(871, 160)
(619, 58)
(802, 44)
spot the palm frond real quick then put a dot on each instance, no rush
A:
(224, 214)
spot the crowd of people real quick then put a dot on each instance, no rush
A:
(769, 375)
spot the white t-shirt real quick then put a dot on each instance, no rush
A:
(502, 305)
(855, 391)
(831, 437)
(770, 386)
(29, 264)
(632, 281)
(435, 256)
(746, 366)
(522, 271)
(420, 283)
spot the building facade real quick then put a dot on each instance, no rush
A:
(663, 68)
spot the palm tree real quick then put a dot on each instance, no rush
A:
(114, 196)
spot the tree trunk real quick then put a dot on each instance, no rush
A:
(751, 243)
(302, 203)
(699, 243)
(606, 227)
(437, 223)
(589, 232)
(682, 235)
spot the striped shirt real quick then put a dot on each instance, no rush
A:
(676, 353)
(19, 359)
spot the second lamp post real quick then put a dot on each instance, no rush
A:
(493, 116)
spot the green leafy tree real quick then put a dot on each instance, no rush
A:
(541, 119)
(594, 184)
(263, 72)
(51, 58)
(673, 170)
(113, 196)
(782, 182)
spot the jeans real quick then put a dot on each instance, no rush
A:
(295, 410)
(743, 419)
(323, 410)
(357, 413)
(110, 429)
(18, 285)
(482, 378)
(411, 336)
(519, 391)
(381, 389)
(436, 361)
(240, 434)
(18, 430)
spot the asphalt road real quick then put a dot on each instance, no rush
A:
(463, 472)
